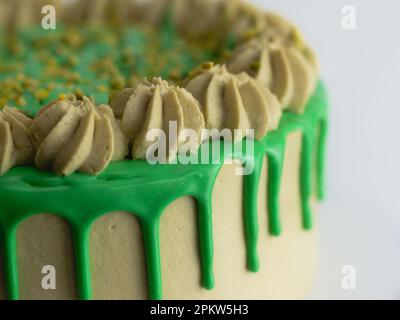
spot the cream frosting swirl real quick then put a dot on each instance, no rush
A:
(114, 11)
(200, 18)
(73, 135)
(289, 71)
(248, 20)
(153, 105)
(234, 102)
(15, 143)
(19, 13)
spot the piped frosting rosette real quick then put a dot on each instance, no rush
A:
(156, 105)
(15, 143)
(279, 58)
(28, 12)
(235, 102)
(114, 11)
(199, 18)
(249, 20)
(73, 135)
(20, 13)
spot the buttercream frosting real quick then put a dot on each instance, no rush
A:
(15, 143)
(19, 13)
(202, 17)
(153, 105)
(114, 11)
(234, 102)
(249, 20)
(280, 59)
(73, 135)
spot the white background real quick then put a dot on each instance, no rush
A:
(361, 217)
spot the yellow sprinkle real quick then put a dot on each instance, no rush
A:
(3, 102)
(118, 83)
(21, 101)
(251, 33)
(174, 75)
(41, 94)
(207, 65)
(62, 97)
(79, 94)
(102, 88)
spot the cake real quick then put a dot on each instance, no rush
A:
(87, 196)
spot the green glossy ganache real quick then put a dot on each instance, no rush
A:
(146, 191)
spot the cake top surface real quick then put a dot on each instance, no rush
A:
(253, 67)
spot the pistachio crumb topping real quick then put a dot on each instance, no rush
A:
(101, 53)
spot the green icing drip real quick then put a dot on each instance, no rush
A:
(134, 186)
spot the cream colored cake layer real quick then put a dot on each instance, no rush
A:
(287, 263)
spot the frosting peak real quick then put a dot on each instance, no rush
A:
(153, 105)
(202, 17)
(73, 135)
(15, 143)
(280, 59)
(249, 20)
(234, 102)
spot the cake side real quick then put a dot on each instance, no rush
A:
(118, 266)
(130, 191)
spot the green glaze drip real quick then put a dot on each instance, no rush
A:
(321, 158)
(9, 243)
(275, 154)
(146, 191)
(206, 241)
(80, 233)
(251, 183)
(306, 177)
(152, 248)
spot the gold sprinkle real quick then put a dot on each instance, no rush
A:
(207, 65)
(62, 97)
(79, 94)
(174, 75)
(73, 39)
(251, 33)
(3, 102)
(41, 94)
(118, 83)
(102, 88)
(21, 101)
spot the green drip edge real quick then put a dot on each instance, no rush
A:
(131, 185)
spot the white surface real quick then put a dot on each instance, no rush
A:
(361, 217)
(354, 232)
